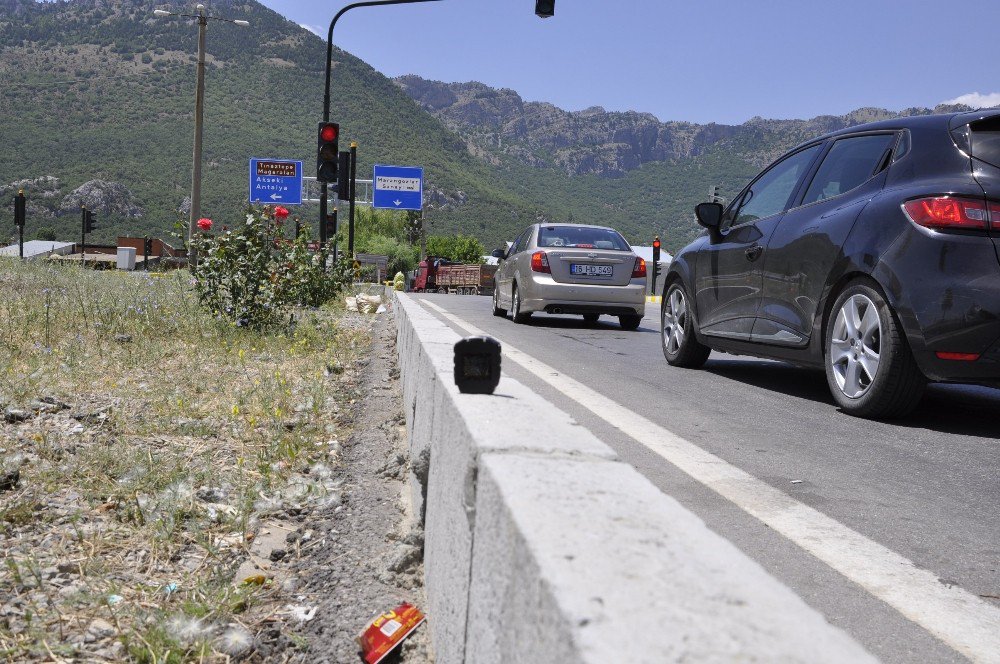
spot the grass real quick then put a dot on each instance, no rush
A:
(137, 502)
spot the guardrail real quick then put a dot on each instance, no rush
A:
(541, 546)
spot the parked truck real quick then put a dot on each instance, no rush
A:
(443, 276)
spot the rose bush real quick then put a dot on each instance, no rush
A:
(252, 274)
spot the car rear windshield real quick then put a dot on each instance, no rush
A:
(581, 237)
(986, 140)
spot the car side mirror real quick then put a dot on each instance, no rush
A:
(709, 215)
(499, 253)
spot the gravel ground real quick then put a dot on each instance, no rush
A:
(369, 556)
(325, 554)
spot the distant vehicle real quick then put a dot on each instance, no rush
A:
(873, 252)
(437, 275)
(571, 269)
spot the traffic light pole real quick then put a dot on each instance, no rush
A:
(19, 215)
(350, 209)
(326, 85)
(83, 236)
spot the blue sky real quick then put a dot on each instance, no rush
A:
(698, 60)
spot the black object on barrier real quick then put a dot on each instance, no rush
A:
(477, 365)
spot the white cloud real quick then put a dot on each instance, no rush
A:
(976, 100)
(313, 29)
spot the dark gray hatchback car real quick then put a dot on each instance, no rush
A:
(873, 252)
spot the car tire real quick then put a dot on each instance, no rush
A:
(630, 321)
(515, 307)
(497, 309)
(677, 337)
(590, 319)
(869, 365)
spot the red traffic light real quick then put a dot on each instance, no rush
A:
(656, 243)
(329, 132)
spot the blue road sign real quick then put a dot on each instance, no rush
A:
(398, 187)
(276, 181)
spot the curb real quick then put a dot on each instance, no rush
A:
(540, 545)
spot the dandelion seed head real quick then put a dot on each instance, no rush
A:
(235, 641)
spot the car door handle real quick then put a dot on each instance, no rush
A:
(754, 252)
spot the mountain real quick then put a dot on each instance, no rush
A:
(100, 93)
(97, 109)
(593, 141)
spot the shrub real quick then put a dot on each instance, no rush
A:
(253, 274)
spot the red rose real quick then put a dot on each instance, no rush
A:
(280, 213)
(205, 224)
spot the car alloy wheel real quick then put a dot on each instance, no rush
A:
(869, 366)
(680, 346)
(519, 317)
(674, 320)
(856, 346)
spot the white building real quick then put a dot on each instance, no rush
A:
(39, 249)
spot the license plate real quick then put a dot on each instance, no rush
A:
(590, 270)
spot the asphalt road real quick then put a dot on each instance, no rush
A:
(926, 488)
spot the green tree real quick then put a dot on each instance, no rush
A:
(46, 234)
(461, 248)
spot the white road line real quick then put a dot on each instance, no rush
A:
(957, 617)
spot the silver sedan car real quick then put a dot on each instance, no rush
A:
(571, 269)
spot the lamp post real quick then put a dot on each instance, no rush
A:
(543, 9)
(199, 107)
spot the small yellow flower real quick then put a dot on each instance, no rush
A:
(236, 410)
(241, 353)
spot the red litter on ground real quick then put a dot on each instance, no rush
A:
(387, 631)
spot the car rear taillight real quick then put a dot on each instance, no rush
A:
(947, 212)
(639, 270)
(540, 262)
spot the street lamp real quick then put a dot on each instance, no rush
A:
(199, 107)
(543, 8)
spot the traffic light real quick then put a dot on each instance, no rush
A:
(344, 179)
(656, 251)
(545, 8)
(19, 209)
(88, 220)
(327, 151)
(713, 193)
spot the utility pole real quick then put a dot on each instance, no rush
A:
(199, 108)
(199, 113)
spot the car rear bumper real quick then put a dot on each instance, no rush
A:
(542, 293)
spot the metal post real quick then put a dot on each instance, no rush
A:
(322, 215)
(350, 228)
(423, 236)
(145, 253)
(199, 108)
(19, 214)
(83, 236)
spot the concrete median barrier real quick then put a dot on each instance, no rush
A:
(541, 546)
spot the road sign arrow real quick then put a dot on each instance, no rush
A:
(275, 197)
(397, 202)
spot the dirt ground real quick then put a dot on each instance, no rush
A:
(364, 556)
